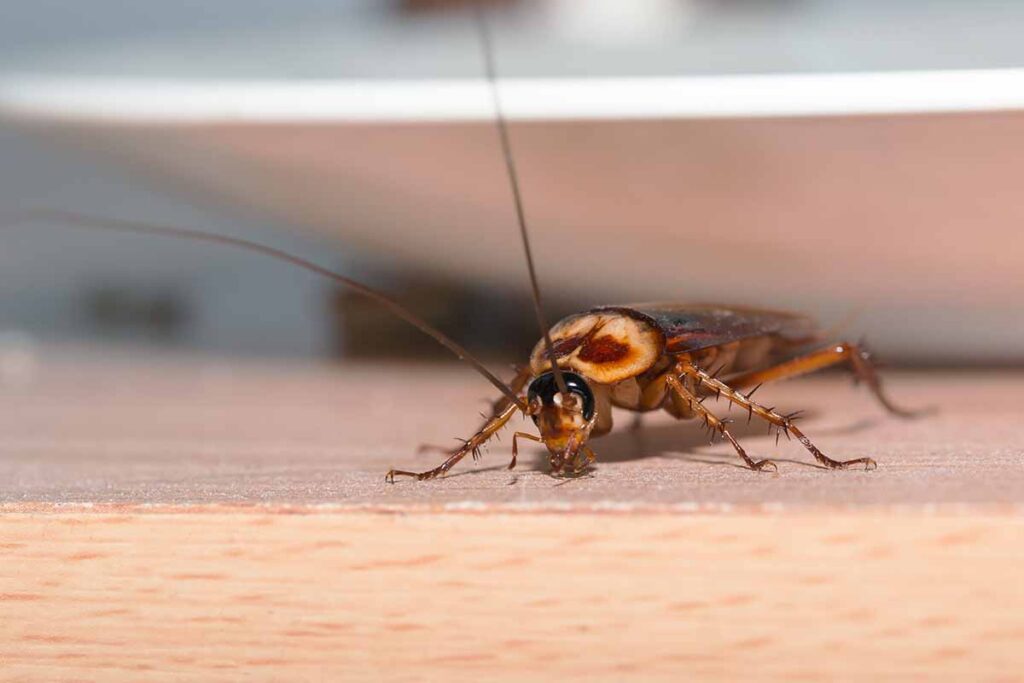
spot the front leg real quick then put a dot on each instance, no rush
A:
(472, 445)
(516, 384)
(515, 446)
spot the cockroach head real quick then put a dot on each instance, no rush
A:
(544, 394)
(564, 421)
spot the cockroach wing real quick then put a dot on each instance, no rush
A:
(690, 328)
(605, 346)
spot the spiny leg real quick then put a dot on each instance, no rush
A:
(715, 423)
(472, 445)
(515, 446)
(855, 355)
(783, 422)
(517, 384)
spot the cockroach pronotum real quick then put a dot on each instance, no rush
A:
(640, 358)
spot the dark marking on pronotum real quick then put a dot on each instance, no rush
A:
(604, 349)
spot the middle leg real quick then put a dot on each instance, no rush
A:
(716, 423)
(783, 422)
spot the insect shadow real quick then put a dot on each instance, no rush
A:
(675, 440)
(671, 440)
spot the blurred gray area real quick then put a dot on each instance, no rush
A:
(61, 285)
(542, 38)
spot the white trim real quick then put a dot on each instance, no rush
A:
(138, 100)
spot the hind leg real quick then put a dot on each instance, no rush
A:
(857, 358)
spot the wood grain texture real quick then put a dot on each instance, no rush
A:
(254, 595)
(178, 519)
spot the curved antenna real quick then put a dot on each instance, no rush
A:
(139, 228)
(506, 149)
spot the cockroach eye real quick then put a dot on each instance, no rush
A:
(545, 388)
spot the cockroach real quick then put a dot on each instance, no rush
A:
(640, 358)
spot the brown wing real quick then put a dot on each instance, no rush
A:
(691, 327)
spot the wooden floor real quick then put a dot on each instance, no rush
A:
(191, 519)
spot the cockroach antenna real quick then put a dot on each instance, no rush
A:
(74, 219)
(487, 47)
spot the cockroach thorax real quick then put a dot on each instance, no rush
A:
(606, 347)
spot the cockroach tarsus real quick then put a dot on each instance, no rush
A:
(640, 358)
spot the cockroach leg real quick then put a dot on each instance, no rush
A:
(783, 423)
(497, 407)
(716, 424)
(855, 355)
(578, 464)
(572, 461)
(515, 446)
(472, 445)
(588, 460)
(516, 384)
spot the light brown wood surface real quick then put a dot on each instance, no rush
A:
(184, 519)
(256, 595)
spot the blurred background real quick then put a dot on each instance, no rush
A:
(828, 156)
